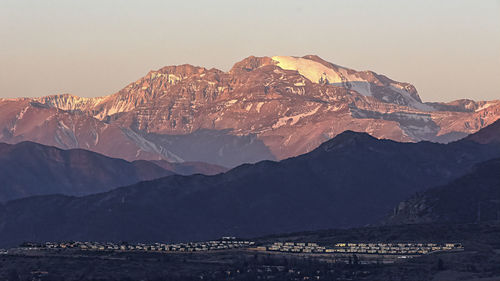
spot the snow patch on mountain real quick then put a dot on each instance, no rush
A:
(410, 100)
(69, 102)
(65, 132)
(231, 102)
(486, 105)
(314, 71)
(360, 87)
(360, 82)
(319, 73)
(294, 119)
(148, 146)
(259, 106)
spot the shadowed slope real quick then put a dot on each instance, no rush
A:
(28, 169)
(351, 180)
(472, 198)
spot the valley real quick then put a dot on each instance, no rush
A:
(68, 261)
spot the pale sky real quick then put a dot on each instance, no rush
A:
(449, 49)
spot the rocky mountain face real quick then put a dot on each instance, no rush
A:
(351, 180)
(29, 169)
(474, 197)
(263, 108)
(488, 135)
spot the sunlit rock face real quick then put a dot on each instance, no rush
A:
(263, 108)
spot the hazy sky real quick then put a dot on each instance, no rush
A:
(448, 49)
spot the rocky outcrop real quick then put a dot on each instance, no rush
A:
(474, 197)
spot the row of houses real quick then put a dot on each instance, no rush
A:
(296, 247)
(221, 244)
(365, 248)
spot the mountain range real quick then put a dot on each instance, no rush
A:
(264, 108)
(28, 169)
(351, 180)
(474, 197)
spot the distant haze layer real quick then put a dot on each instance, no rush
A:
(448, 49)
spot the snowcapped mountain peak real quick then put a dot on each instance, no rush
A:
(366, 83)
(272, 107)
(312, 70)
